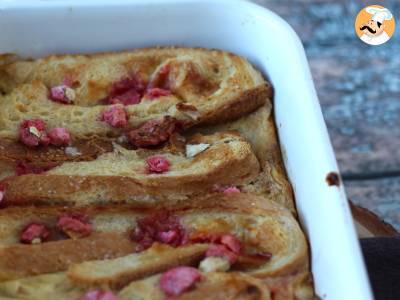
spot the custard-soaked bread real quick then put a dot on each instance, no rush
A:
(7, 169)
(149, 174)
(259, 130)
(78, 150)
(216, 285)
(141, 176)
(263, 239)
(192, 86)
(297, 286)
(192, 72)
(20, 260)
(229, 286)
(213, 286)
(219, 233)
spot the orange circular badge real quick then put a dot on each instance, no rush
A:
(374, 25)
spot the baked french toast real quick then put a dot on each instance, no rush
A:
(216, 233)
(146, 174)
(130, 94)
(258, 128)
(122, 175)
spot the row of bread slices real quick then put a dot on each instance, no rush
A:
(222, 162)
(206, 237)
(127, 91)
(42, 147)
(184, 244)
(34, 113)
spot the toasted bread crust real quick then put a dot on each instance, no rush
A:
(213, 286)
(25, 260)
(117, 273)
(197, 193)
(195, 70)
(216, 213)
(260, 131)
(191, 176)
(53, 69)
(10, 150)
(229, 286)
(238, 106)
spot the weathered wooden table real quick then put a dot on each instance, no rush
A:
(359, 90)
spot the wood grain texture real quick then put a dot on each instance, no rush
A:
(382, 196)
(358, 85)
(359, 89)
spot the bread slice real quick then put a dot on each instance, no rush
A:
(297, 286)
(213, 286)
(259, 130)
(220, 184)
(121, 175)
(229, 286)
(7, 169)
(207, 86)
(120, 271)
(260, 225)
(20, 260)
(46, 286)
(216, 285)
(94, 74)
(104, 219)
(79, 150)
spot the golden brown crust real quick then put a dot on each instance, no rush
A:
(54, 68)
(119, 272)
(213, 286)
(18, 261)
(260, 131)
(262, 226)
(237, 88)
(229, 286)
(212, 92)
(187, 176)
(241, 202)
(10, 150)
(238, 106)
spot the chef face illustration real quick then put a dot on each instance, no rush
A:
(373, 29)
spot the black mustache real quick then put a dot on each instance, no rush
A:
(368, 28)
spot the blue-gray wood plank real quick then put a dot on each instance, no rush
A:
(359, 89)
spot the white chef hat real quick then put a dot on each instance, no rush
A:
(379, 14)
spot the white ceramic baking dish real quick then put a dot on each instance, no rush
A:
(37, 28)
